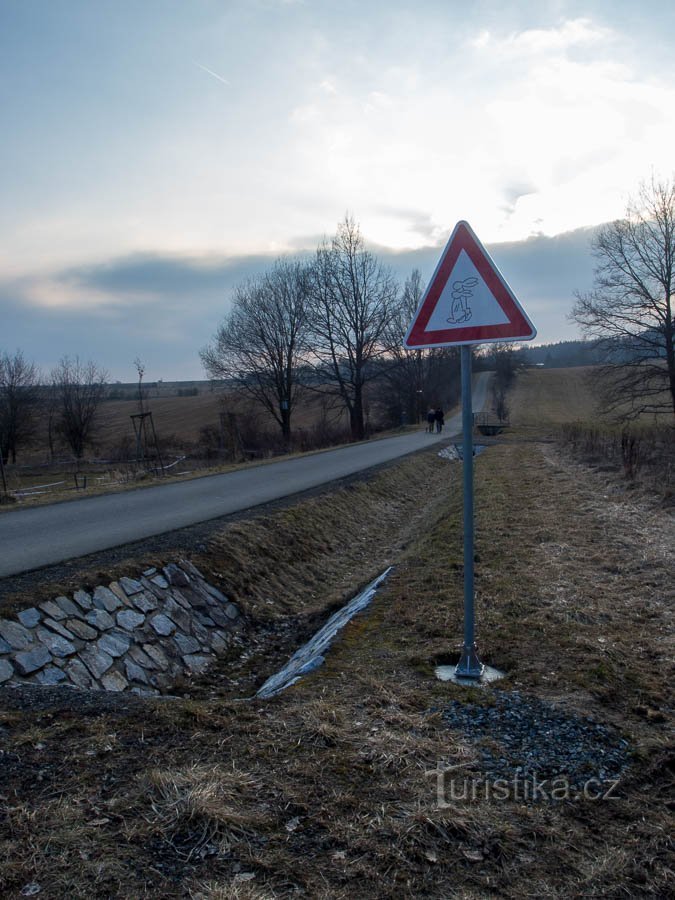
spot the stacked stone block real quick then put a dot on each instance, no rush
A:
(136, 634)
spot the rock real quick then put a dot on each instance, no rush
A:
(144, 692)
(4, 646)
(6, 670)
(221, 618)
(144, 601)
(160, 581)
(57, 645)
(30, 661)
(176, 670)
(180, 598)
(204, 620)
(68, 606)
(202, 634)
(148, 573)
(50, 676)
(79, 675)
(130, 586)
(186, 644)
(178, 615)
(162, 625)
(83, 600)
(29, 617)
(134, 672)
(175, 576)
(142, 658)
(197, 663)
(231, 611)
(214, 593)
(191, 569)
(159, 681)
(99, 618)
(129, 619)
(154, 591)
(97, 661)
(81, 629)
(192, 598)
(59, 629)
(105, 599)
(113, 645)
(114, 681)
(218, 643)
(157, 656)
(16, 635)
(119, 593)
(52, 609)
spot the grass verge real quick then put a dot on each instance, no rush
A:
(325, 791)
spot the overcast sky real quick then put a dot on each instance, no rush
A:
(155, 152)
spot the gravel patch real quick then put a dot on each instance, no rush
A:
(533, 738)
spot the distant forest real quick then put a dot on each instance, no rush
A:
(562, 354)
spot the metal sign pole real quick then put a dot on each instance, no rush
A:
(469, 666)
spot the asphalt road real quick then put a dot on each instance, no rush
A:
(33, 538)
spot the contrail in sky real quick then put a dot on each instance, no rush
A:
(210, 72)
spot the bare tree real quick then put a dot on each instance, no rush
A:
(508, 362)
(352, 304)
(19, 401)
(630, 309)
(405, 376)
(139, 365)
(80, 387)
(416, 379)
(262, 343)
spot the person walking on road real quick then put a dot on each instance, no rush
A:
(439, 418)
(431, 418)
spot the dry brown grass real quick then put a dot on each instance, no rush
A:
(325, 790)
(545, 398)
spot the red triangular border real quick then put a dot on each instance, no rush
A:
(518, 328)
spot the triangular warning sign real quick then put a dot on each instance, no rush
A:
(467, 300)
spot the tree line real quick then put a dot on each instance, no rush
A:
(66, 402)
(332, 324)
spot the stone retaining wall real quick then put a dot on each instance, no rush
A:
(135, 635)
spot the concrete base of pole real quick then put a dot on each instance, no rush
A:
(469, 666)
(449, 673)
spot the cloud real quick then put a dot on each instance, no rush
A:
(573, 33)
(164, 308)
(163, 275)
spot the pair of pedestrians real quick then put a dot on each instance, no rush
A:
(435, 420)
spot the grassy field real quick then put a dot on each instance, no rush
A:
(179, 421)
(547, 398)
(329, 790)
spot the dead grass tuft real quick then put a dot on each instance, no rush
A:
(205, 805)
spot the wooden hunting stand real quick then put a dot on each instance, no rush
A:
(146, 436)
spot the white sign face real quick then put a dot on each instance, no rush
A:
(466, 300)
